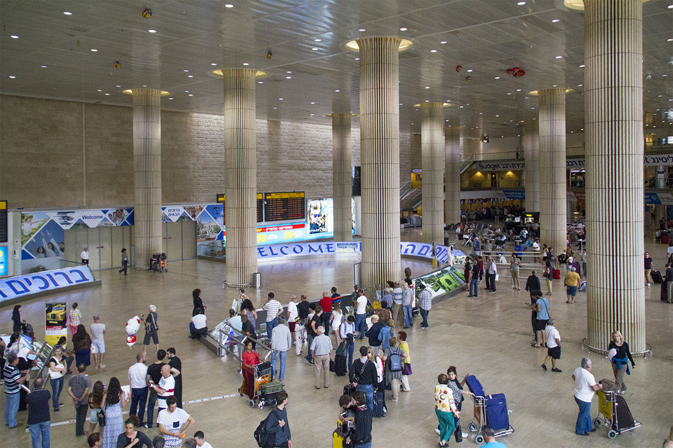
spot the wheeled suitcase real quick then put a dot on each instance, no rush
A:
(496, 412)
(474, 385)
(624, 417)
(340, 365)
(664, 238)
(656, 276)
(379, 404)
(556, 274)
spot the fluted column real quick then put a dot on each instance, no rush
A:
(240, 179)
(614, 166)
(341, 177)
(531, 150)
(432, 162)
(452, 175)
(380, 159)
(552, 135)
(147, 231)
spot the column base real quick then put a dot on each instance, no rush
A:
(601, 351)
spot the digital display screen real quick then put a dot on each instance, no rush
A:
(3, 222)
(284, 206)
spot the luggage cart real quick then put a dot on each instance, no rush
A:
(614, 414)
(263, 375)
(481, 419)
(481, 411)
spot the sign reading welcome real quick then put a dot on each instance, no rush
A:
(25, 285)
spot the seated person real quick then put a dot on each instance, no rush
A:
(198, 327)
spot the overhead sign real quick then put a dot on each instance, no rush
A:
(518, 165)
(25, 285)
(3, 222)
(284, 206)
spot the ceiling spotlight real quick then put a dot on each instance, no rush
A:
(556, 20)
(43, 66)
(469, 70)
(580, 85)
(582, 66)
(228, 5)
(518, 90)
(14, 36)
(317, 40)
(107, 94)
(213, 64)
(190, 76)
(521, 3)
(559, 57)
(191, 94)
(312, 102)
(186, 91)
(144, 85)
(94, 50)
(275, 107)
(67, 13)
(443, 42)
(433, 51)
(260, 82)
(118, 86)
(186, 71)
(403, 29)
(337, 90)
(362, 30)
(246, 63)
(497, 77)
(151, 31)
(427, 87)
(170, 99)
(280, 99)
(357, 59)
(314, 48)
(99, 90)
(288, 77)
(12, 77)
(288, 72)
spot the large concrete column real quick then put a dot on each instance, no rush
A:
(240, 178)
(432, 160)
(614, 165)
(531, 150)
(552, 135)
(341, 176)
(147, 232)
(452, 175)
(380, 159)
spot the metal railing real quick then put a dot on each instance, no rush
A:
(232, 342)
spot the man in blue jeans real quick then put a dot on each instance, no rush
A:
(137, 375)
(13, 380)
(273, 309)
(363, 376)
(425, 299)
(281, 341)
(39, 421)
(585, 388)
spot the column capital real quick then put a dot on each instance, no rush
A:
(238, 73)
(376, 41)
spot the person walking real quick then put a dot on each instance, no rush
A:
(492, 274)
(553, 346)
(514, 267)
(281, 341)
(277, 423)
(78, 389)
(321, 350)
(474, 282)
(39, 421)
(125, 262)
(533, 284)
(249, 359)
(137, 375)
(445, 409)
(541, 308)
(408, 305)
(151, 329)
(312, 331)
(425, 299)
(547, 274)
(571, 282)
(292, 317)
(620, 359)
(585, 388)
(74, 318)
(171, 421)
(361, 315)
(648, 268)
(98, 341)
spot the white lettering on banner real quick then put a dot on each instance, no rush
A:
(24, 285)
(499, 166)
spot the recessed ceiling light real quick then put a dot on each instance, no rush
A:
(186, 91)
(288, 77)
(67, 13)
(107, 94)
(186, 71)
(288, 72)
(275, 107)
(427, 87)
(427, 101)
(670, 6)
(433, 51)
(190, 76)
(94, 50)
(497, 116)
(497, 77)
(521, 3)
(580, 85)
(191, 94)
(556, 20)
(228, 5)
(99, 90)
(246, 63)
(509, 93)
(582, 66)
(362, 30)
(43, 66)
(118, 85)
(170, 99)
(12, 76)
(559, 57)
(144, 85)
(14, 36)
(518, 90)
(357, 59)
(280, 99)
(151, 31)
(260, 82)
(213, 64)
(461, 107)
(470, 70)
(555, 85)
(670, 40)
(532, 108)
(403, 29)
(314, 48)
(312, 102)
(401, 104)
(337, 90)
(443, 42)
(317, 40)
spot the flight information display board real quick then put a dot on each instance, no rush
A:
(284, 206)
(221, 198)
(3, 222)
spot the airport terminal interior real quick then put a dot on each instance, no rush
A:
(290, 146)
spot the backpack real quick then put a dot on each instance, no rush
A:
(395, 360)
(263, 438)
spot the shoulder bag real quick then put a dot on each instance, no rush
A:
(101, 413)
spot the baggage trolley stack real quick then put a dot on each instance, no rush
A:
(614, 414)
(489, 410)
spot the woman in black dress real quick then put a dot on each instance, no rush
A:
(16, 318)
(198, 303)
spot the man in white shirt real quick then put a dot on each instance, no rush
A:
(98, 341)
(85, 256)
(585, 388)
(138, 379)
(171, 420)
(198, 327)
(281, 341)
(165, 388)
(361, 315)
(273, 309)
(292, 314)
(200, 440)
(553, 345)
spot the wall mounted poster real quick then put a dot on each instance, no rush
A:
(55, 317)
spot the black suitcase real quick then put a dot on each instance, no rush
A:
(656, 276)
(340, 365)
(379, 404)
(624, 417)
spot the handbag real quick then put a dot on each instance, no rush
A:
(406, 369)
(458, 433)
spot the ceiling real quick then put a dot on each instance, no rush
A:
(311, 73)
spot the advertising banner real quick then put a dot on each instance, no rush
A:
(3, 260)
(55, 317)
(440, 282)
(25, 285)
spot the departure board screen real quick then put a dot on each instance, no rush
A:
(284, 206)
(3, 222)
(260, 210)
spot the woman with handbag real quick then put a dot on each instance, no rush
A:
(57, 369)
(445, 409)
(95, 404)
(406, 365)
(112, 420)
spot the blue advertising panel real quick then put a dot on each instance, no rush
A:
(3, 260)
(25, 285)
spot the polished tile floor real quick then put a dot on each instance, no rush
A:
(487, 336)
